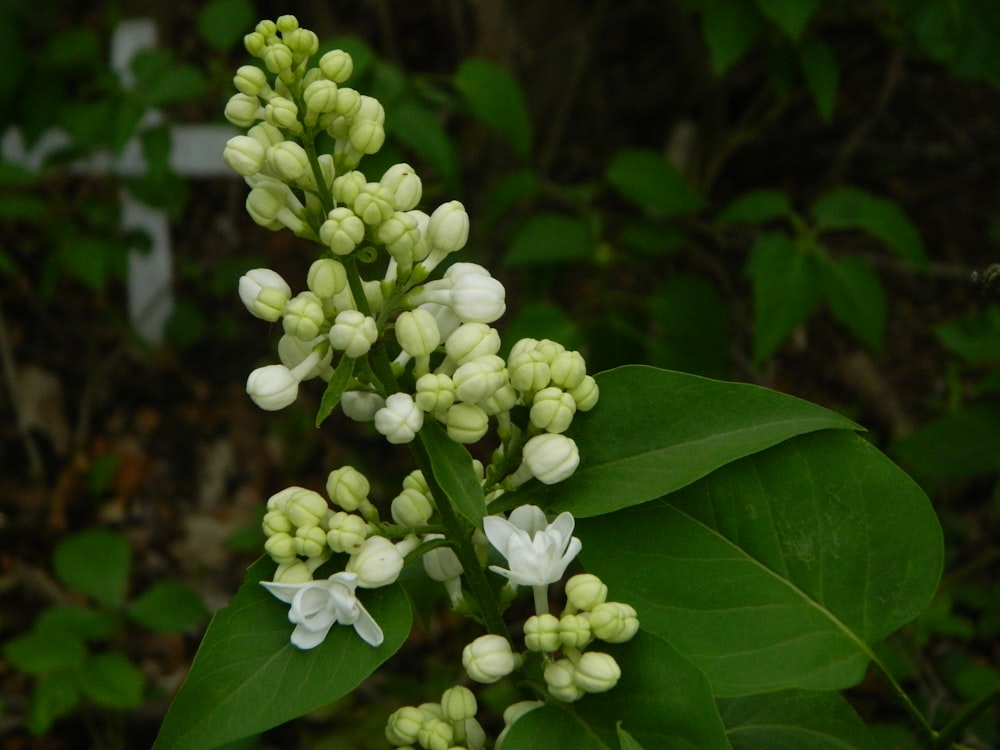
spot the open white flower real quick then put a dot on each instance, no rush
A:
(318, 605)
(537, 552)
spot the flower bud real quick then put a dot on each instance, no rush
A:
(326, 278)
(288, 160)
(348, 102)
(552, 409)
(254, 43)
(411, 508)
(436, 734)
(529, 371)
(400, 234)
(403, 184)
(302, 42)
(441, 563)
(551, 458)
(292, 352)
(378, 563)
(277, 58)
(250, 80)
(403, 725)
(585, 394)
(489, 658)
(310, 541)
(342, 231)
(348, 186)
(347, 487)
(471, 341)
(597, 672)
(503, 399)
(400, 419)
(541, 633)
(568, 370)
(321, 96)
(264, 293)
(373, 204)
(550, 349)
(272, 387)
(282, 113)
(306, 508)
(244, 155)
(353, 333)
(347, 532)
(243, 111)
(480, 378)
(475, 298)
(295, 571)
(614, 622)
(435, 392)
(266, 134)
(458, 703)
(448, 229)
(281, 548)
(560, 677)
(276, 522)
(585, 591)
(574, 631)
(280, 500)
(417, 333)
(336, 65)
(466, 423)
(304, 316)
(366, 136)
(361, 406)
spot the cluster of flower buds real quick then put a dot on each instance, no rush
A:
(448, 725)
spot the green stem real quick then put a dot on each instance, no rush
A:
(928, 735)
(946, 737)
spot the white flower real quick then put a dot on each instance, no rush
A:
(537, 552)
(264, 293)
(318, 605)
(400, 419)
(353, 333)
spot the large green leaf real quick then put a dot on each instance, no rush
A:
(96, 563)
(247, 677)
(451, 470)
(778, 571)
(647, 179)
(662, 701)
(495, 98)
(729, 29)
(655, 431)
(795, 720)
(856, 298)
(548, 238)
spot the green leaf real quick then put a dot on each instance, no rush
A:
(661, 699)
(160, 80)
(419, 127)
(41, 652)
(729, 29)
(690, 327)
(782, 570)
(514, 188)
(655, 431)
(851, 208)
(627, 741)
(247, 677)
(550, 238)
(95, 563)
(791, 16)
(786, 289)
(975, 338)
(79, 622)
(168, 606)
(957, 445)
(451, 466)
(335, 388)
(755, 207)
(111, 680)
(496, 99)
(799, 719)
(651, 182)
(856, 298)
(820, 69)
(542, 320)
(223, 23)
(54, 695)
(23, 208)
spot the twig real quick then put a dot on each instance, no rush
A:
(35, 465)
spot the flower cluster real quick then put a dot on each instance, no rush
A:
(448, 725)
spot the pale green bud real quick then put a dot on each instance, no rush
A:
(366, 136)
(306, 508)
(400, 419)
(254, 43)
(286, 23)
(373, 204)
(489, 658)
(361, 406)
(277, 57)
(281, 547)
(348, 102)
(614, 622)
(243, 111)
(471, 341)
(272, 387)
(336, 65)
(347, 487)
(295, 571)
(560, 678)
(267, 28)
(403, 725)
(448, 228)
(244, 155)
(371, 109)
(480, 378)
(288, 160)
(586, 394)
(326, 278)
(574, 631)
(411, 508)
(293, 351)
(250, 80)
(458, 703)
(541, 633)
(400, 234)
(597, 672)
(321, 96)
(417, 332)
(552, 409)
(475, 296)
(264, 293)
(271, 204)
(466, 423)
(550, 349)
(304, 316)
(353, 333)
(310, 541)
(475, 735)
(302, 42)
(415, 480)
(282, 113)
(266, 134)
(503, 399)
(551, 458)
(342, 231)
(434, 392)
(568, 370)
(347, 532)
(348, 186)
(378, 563)
(436, 734)
(280, 500)
(403, 185)
(276, 522)
(529, 371)
(585, 591)
(442, 564)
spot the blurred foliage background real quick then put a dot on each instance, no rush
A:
(792, 193)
